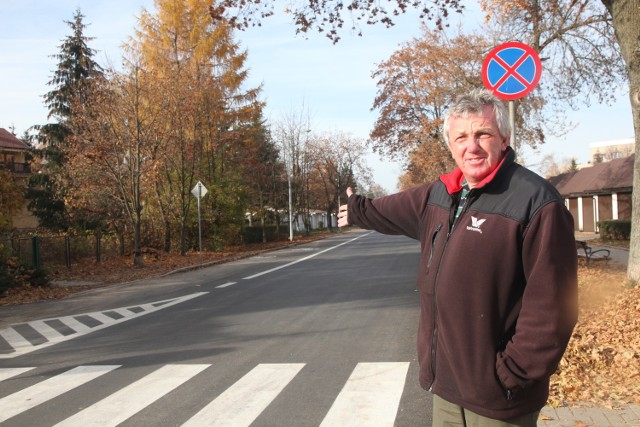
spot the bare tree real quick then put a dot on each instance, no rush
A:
(112, 140)
(339, 164)
(328, 16)
(291, 134)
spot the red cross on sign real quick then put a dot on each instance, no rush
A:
(511, 70)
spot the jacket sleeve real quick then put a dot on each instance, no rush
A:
(549, 309)
(398, 213)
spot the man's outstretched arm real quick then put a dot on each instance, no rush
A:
(399, 213)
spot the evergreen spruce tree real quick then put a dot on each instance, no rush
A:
(72, 80)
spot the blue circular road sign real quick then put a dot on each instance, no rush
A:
(511, 70)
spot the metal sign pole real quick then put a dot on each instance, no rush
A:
(199, 218)
(199, 191)
(290, 212)
(512, 121)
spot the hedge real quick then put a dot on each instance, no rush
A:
(615, 229)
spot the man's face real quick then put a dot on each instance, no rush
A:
(476, 145)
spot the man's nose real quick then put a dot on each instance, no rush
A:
(473, 143)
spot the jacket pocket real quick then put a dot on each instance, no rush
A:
(434, 239)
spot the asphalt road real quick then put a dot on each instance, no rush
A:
(318, 334)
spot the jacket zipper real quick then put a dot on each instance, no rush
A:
(434, 338)
(435, 323)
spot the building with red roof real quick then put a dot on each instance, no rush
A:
(13, 157)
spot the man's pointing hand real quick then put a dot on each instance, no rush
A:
(343, 214)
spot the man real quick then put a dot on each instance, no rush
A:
(497, 276)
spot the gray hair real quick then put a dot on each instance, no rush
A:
(474, 102)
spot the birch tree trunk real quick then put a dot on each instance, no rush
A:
(626, 21)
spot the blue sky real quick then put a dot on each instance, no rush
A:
(333, 81)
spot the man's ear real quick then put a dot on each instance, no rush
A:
(505, 142)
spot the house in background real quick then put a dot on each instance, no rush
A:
(12, 153)
(13, 158)
(597, 193)
(606, 151)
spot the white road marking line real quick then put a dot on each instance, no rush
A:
(14, 339)
(122, 311)
(130, 400)
(243, 402)
(102, 318)
(224, 285)
(45, 330)
(22, 346)
(75, 324)
(303, 259)
(370, 397)
(6, 373)
(30, 397)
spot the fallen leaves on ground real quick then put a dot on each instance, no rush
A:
(27, 294)
(602, 362)
(601, 365)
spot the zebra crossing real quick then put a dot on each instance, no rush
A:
(370, 396)
(30, 336)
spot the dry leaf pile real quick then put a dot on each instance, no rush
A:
(602, 363)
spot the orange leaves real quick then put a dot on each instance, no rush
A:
(415, 85)
(426, 163)
(11, 199)
(28, 294)
(602, 363)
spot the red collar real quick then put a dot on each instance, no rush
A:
(453, 180)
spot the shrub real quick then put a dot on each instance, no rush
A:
(253, 234)
(615, 229)
(5, 279)
(13, 273)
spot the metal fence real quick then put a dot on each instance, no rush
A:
(65, 251)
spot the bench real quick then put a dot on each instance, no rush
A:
(590, 254)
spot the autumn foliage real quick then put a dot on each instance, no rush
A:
(602, 363)
(177, 113)
(330, 17)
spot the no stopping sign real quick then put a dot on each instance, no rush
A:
(511, 70)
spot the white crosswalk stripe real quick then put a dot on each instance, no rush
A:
(14, 339)
(46, 333)
(132, 399)
(241, 404)
(6, 373)
(33, 396)
(370, 396)
(102, 318)
(71, 322)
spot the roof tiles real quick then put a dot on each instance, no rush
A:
(605, 177)
(9, 140)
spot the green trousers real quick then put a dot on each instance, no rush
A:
(447, 414)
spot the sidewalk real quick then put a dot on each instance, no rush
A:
(627, 415)
(619, 256)
(589, 415)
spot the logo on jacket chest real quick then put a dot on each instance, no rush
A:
(476, 223)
